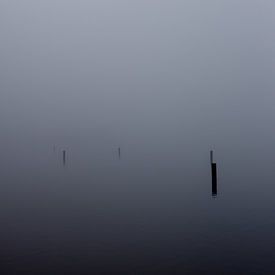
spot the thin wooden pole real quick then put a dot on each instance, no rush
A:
(64, 157)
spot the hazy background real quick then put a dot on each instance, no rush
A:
(137, 73)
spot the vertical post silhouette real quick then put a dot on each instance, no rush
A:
(119, 152)
(214, 175)
(211, 157)
(64, 157)
(214, 179)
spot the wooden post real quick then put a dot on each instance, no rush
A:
(64, 157)
(211, 156)
(214, 178)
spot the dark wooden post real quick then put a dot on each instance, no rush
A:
(214, 179)
(64, 157)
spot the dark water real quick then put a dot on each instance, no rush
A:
(151, 212)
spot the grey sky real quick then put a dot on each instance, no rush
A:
(137, 70)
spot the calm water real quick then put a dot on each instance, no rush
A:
(151, 212)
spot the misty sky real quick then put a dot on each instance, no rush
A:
(127, 71)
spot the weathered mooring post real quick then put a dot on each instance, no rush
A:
(64, 157)
(214, 175)
(214, 179)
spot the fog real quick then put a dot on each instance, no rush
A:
(137, 73)
(133, 95)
